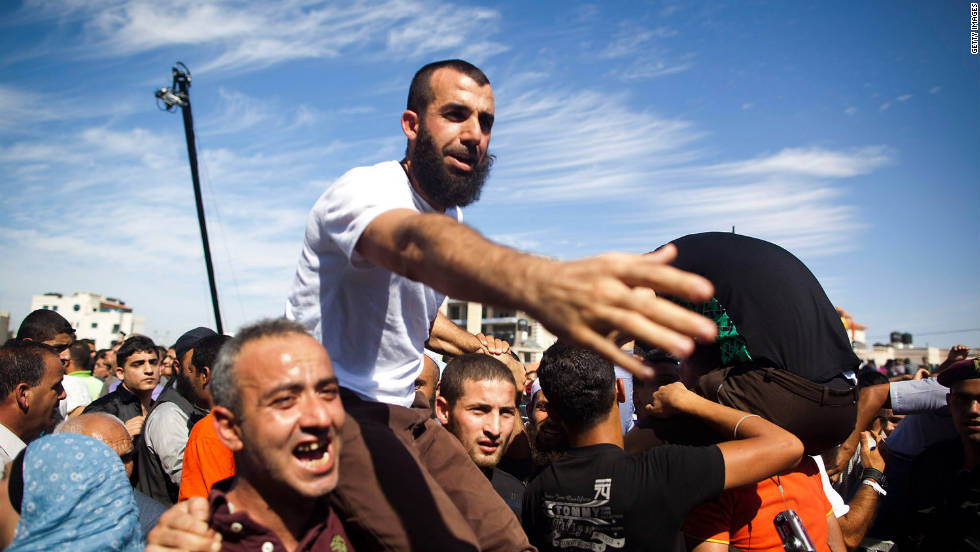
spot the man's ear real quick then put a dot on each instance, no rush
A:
(23, 395)
(410, 124)
(442, 410)
(205, 374)
(620, 391)
(120, 372)
(226, 425)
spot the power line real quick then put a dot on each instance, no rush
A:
(941, 332)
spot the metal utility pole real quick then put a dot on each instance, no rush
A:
(178, 96)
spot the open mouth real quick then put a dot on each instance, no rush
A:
(314, 455)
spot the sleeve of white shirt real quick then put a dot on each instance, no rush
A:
(76, 394)
(354, 200)
(836, 502)
(166, 435)
(917, 396)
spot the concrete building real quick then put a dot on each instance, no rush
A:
(5, 332)
(94, 316)
(527, 337)
(896, 350)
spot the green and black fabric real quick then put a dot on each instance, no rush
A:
(782, 344)
(770, 309)
(732, 346)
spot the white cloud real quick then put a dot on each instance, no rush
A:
(904, 97)
(577, 144)
(935, 89)
(885, 106)
(816, 162)
(237, 112)
(850, 110)
(230, 38)
(632, 40)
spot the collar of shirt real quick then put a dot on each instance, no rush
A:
(240, 532)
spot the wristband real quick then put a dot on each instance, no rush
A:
(738, 423)
(874, 485)
(872, 474)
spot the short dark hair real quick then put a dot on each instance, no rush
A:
(206, 351)
(21, 362)
(224, 382)
(80, 355)
(580, 385)
(867, 378)
(44, 324)
(420, 92)
(473, 367)
(135, 344)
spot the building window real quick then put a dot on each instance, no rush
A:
(115, 328)
(54, 307)
(77, 308)
(95, 325)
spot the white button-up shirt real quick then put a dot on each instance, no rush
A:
(10, 445)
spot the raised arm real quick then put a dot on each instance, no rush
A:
(871, 399)
(583, 302)
(758, 449)
(855, 523)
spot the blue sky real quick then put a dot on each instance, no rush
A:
(845, 132)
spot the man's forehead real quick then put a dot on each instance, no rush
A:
(969, 386)
(269, 361)
(480, 389)
(451, 86)
(60, 339)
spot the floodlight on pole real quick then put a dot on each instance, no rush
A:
(178, 96)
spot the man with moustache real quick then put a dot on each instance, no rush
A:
(384, 246)
(30, 389)
(278, 408)
(477, 403)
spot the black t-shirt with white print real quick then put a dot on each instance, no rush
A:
(602, 498)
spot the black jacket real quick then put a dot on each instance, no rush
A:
(150, 477)
(120, 403)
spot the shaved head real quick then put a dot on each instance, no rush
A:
(106, 428)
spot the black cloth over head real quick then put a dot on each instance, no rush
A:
(774, 301)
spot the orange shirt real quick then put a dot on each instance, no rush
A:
(206, 461)
(743, 517)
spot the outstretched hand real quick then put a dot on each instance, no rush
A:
(591, 301)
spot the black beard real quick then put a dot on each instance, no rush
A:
(440, 185)
(548, 442)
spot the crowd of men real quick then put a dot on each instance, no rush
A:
(650, 424)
